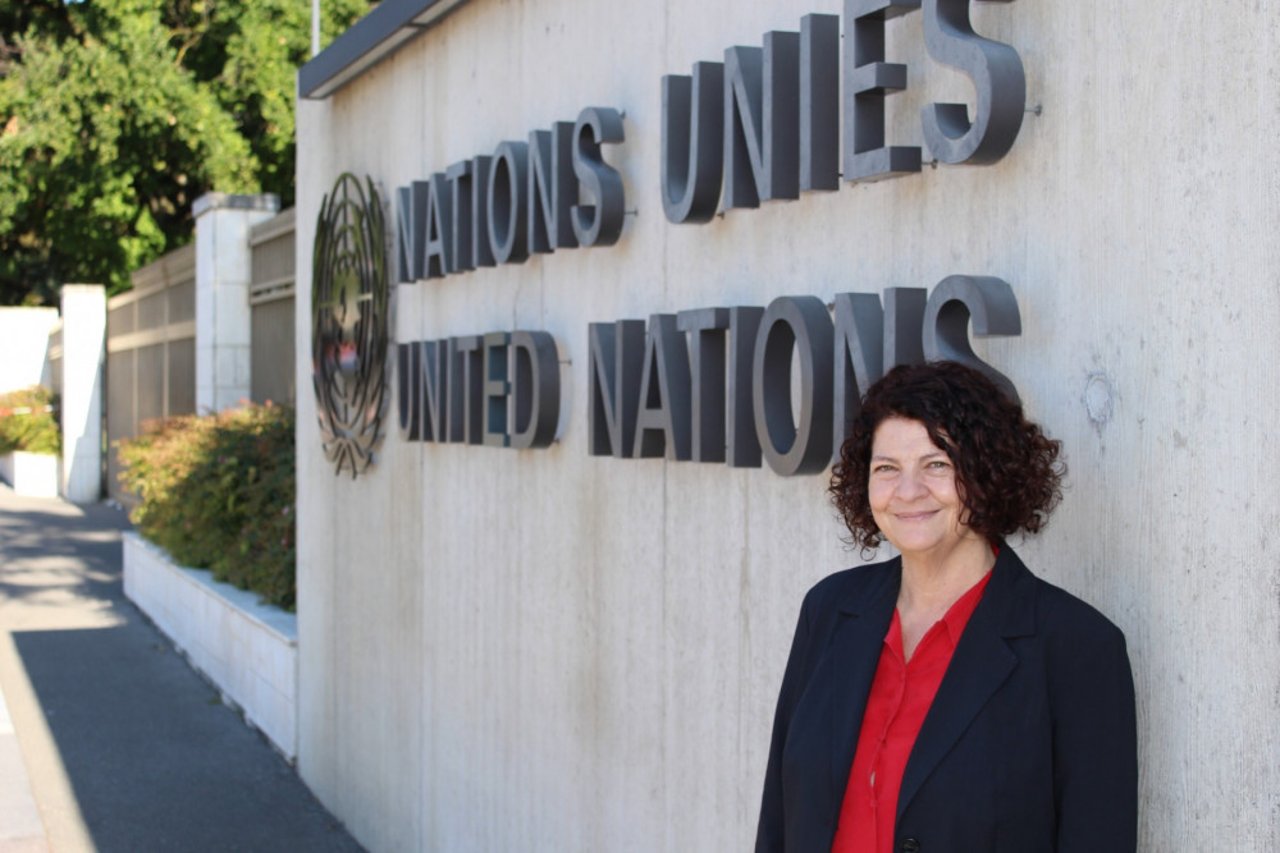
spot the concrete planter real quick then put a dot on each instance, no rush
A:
(249, 650)
(32, 474)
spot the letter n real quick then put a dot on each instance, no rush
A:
(615, 362)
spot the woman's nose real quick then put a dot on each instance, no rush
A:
(910, 485)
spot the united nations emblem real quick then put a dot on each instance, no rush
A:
(349, 306)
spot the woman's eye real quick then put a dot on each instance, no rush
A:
(938, 464)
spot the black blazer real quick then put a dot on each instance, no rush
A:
(1030, 744)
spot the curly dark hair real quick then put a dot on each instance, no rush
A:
(1008, 474)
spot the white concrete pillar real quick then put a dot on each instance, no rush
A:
(222, 295)
(84, 327)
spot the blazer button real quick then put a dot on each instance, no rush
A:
(910, 845)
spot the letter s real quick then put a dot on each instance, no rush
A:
(958, 300)
(598, 223)
(998, 77)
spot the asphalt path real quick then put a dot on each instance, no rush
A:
(108, 740)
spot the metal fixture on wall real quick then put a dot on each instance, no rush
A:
(349, 317)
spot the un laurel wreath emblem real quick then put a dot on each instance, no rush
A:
(349, 307)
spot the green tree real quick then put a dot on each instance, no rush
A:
(115, 116)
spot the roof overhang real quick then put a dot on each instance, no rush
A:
(389, 27)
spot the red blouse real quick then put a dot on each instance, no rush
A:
(901, 694)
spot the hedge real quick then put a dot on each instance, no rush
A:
(27, 422)
(217, 492)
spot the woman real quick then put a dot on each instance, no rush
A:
(947, 700)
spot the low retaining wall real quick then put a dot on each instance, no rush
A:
(32, 474)
(249, 650)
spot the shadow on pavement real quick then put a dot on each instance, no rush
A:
(87, 536)
(154, 759)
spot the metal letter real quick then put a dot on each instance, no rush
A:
(662, 423)
(958, 299)
(535, 389)
(859, 351)
(435, 390)
(459, 177)
(802, 324)
(706, 328)
(411, 219)
(507, 213)
(615, 361)
(439, 215)
(481, 248)
(598, 223)
(408, 370)
(466, 377)
(820, 102)
(551, 188)
(497, 390)
(998, 77)
(868, 80)
(742, 445)
(903, 319)
(692, 143)
(761, 121)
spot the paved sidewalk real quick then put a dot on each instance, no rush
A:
(108, 740)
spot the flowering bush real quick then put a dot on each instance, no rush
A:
(217, 492)
(27, 422)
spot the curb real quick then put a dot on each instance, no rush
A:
(21, 829)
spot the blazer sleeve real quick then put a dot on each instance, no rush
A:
(1095, 743)
(771, 831)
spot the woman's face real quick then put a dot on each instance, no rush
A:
(912, 490)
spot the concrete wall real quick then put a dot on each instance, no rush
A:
(70, 363)
(222, 314)
(541, 650)
(24, 347)
(84, 326)
(247, 648)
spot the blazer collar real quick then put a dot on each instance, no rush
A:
(851, 661)
(982, 662)
(1010, 588)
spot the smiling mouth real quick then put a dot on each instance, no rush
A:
(917, 516)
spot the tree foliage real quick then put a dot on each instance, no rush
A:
(116, 115)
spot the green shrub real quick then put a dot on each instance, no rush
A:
(27, 422)
(217, 492)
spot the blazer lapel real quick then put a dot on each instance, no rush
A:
(853, 656)
(982, 662)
